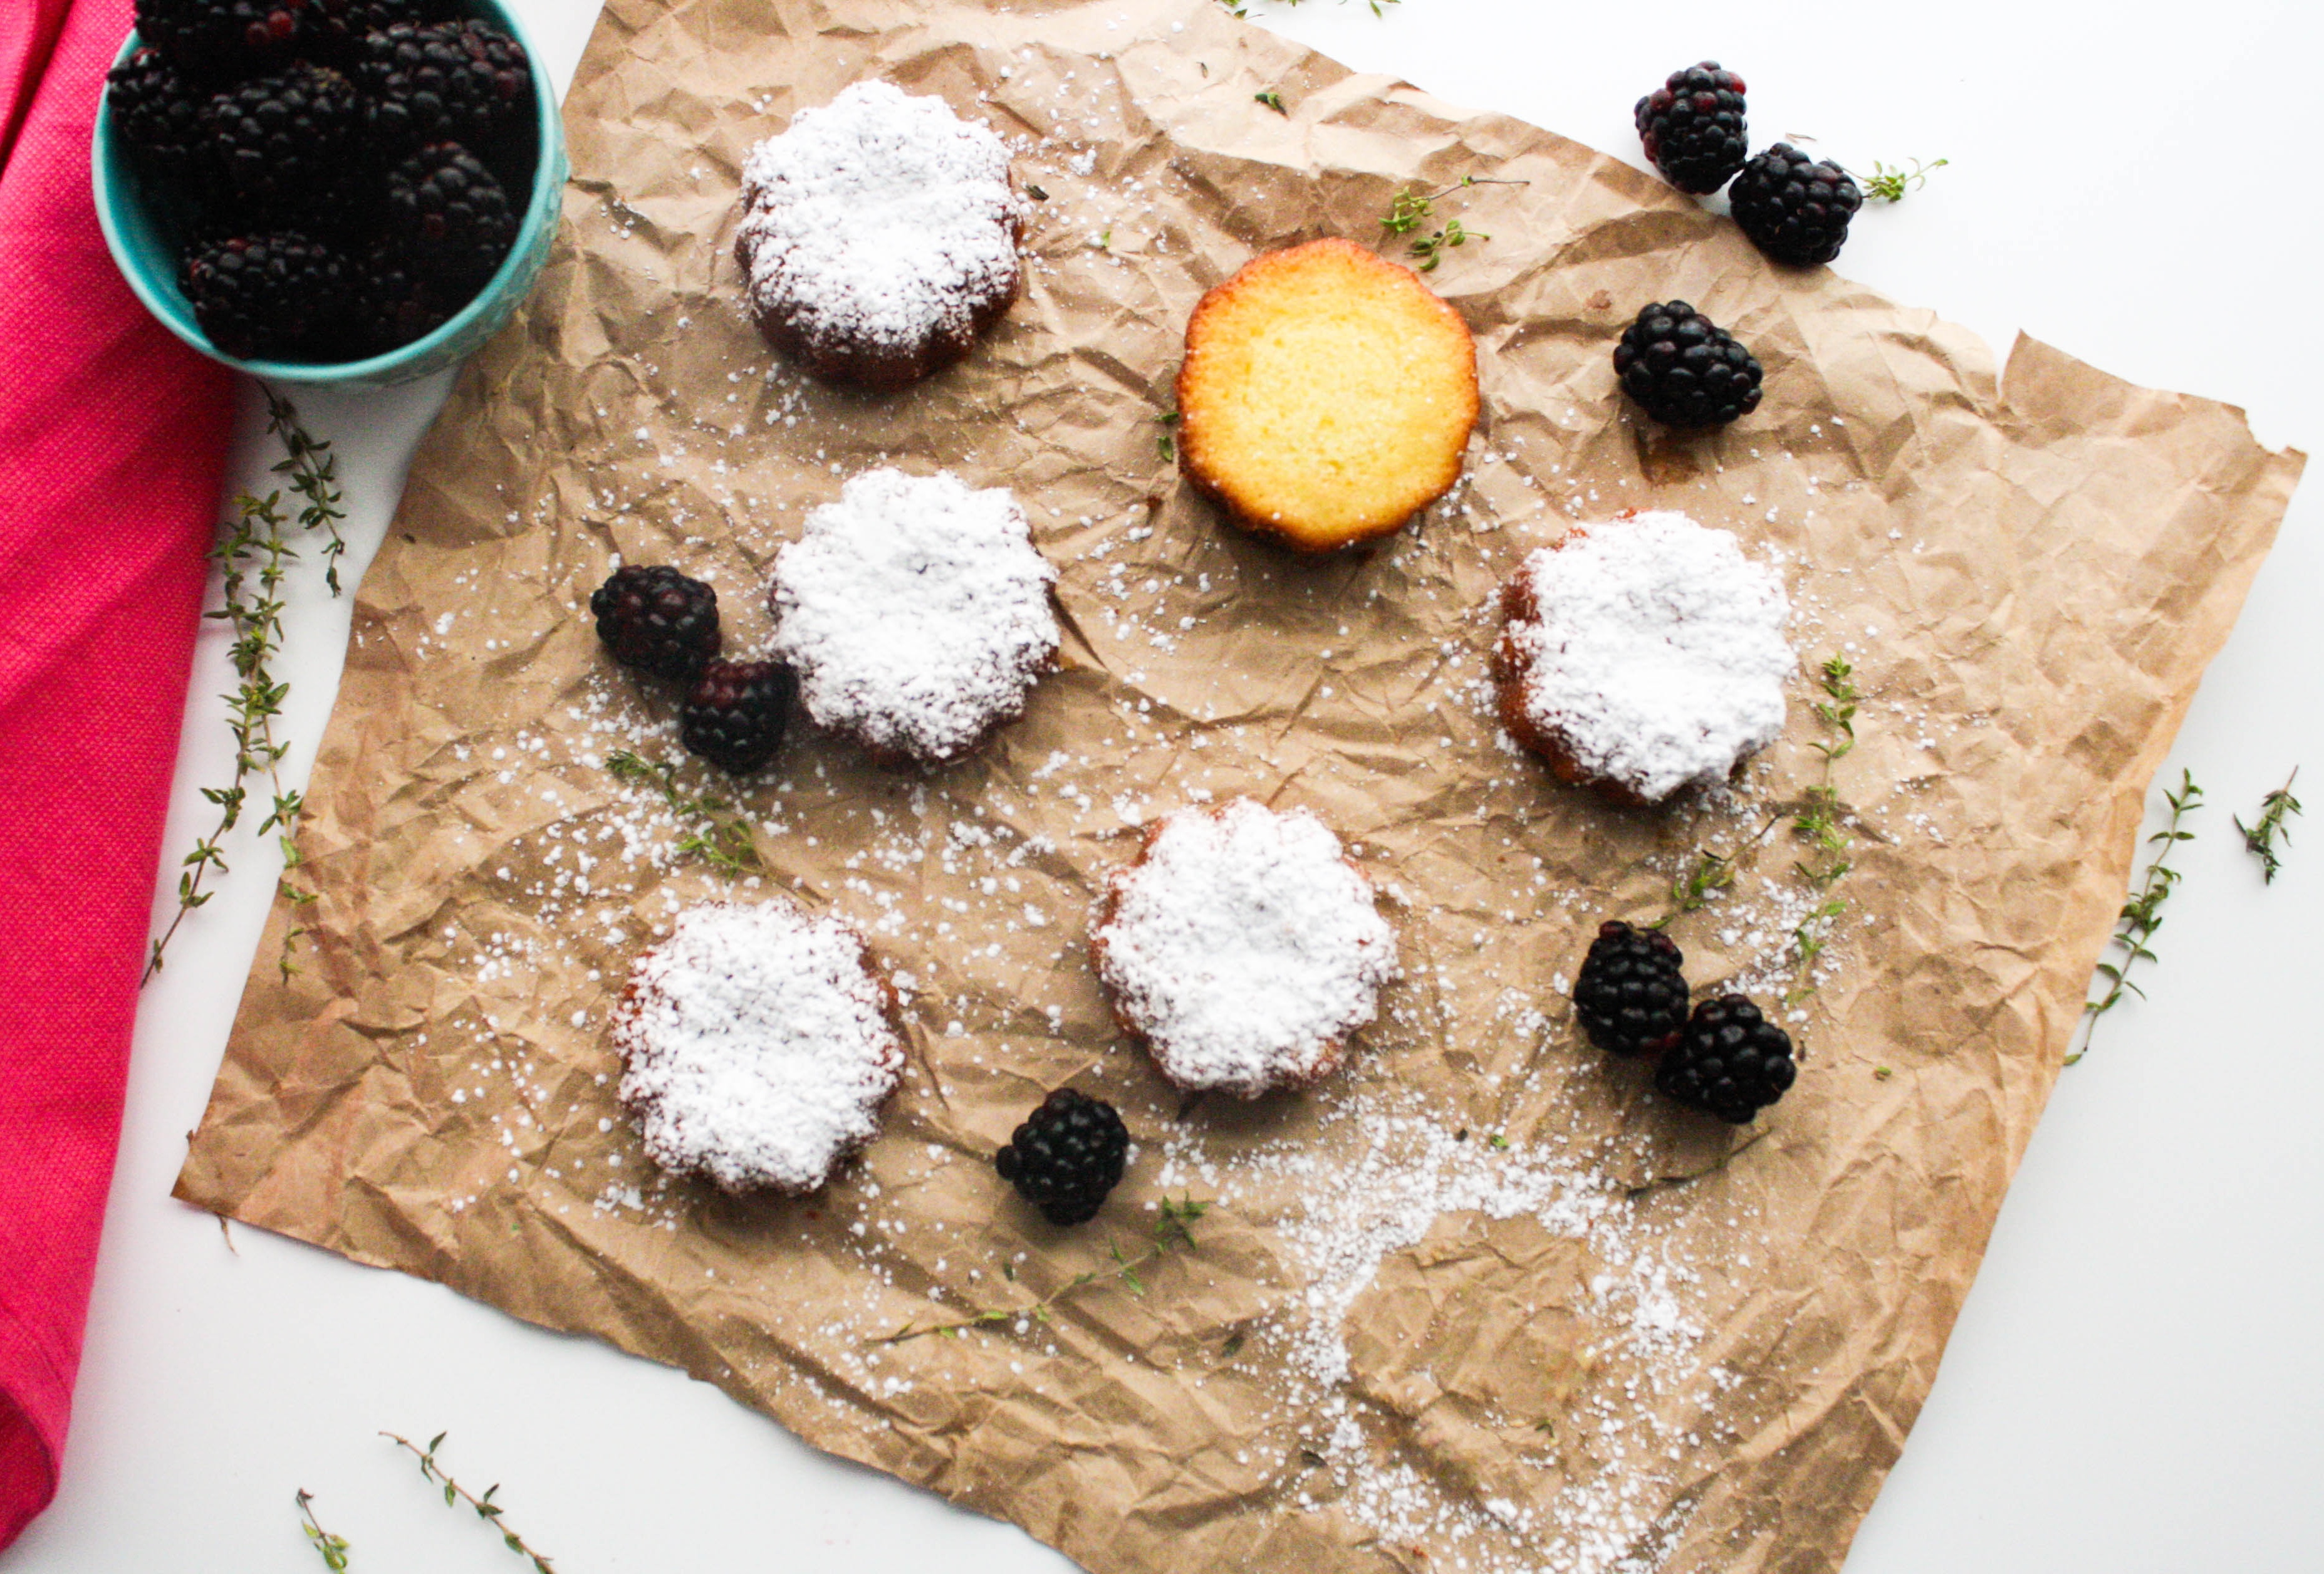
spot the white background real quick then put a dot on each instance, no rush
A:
(2137, 1384)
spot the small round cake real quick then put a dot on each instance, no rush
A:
(1326, 395)
(758, 1045)
(916, 611)
(1243, 947)
(879, 236)
(1642, 655)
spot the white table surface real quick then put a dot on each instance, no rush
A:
(2137, 1384)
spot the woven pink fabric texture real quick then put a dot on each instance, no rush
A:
(113, 440)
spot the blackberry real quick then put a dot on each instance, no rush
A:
(656, 620)
(1730, 1061)
(277, 294)
(448, 215)
(431, 81)
(1631, 996)
(338, 27)
(734, 715)
(394, 306)
(1793, 207)
(1067, 1156)
(284, 140)
(157, 110)
(222, 38)
(1684, 369)
(1692, 126)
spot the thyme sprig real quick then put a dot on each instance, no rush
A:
(1412, 209)
(1692, 890)
(455, 1494)
(1173, 1231)
(1818, 823)
(332, 1549)
(2260, 838)
(2141, 916)
(1890, 184)
(1273, 100)
(1166, 440)
(253, 555)
(725, 842)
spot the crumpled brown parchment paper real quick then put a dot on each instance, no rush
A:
(1482, 1302)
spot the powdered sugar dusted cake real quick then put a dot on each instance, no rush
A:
(758, 1045)
(1244, 948)
(879, 236)
(915, 610)
(1643, 654)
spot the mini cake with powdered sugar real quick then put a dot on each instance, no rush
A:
(879, 236)
(1244, 948)
(916, 611)
(1642, 654)
(758, 1044)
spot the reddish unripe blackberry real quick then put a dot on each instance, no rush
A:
(1730, 1061)
(1067, 1156)
(1630, 996)
(1685, 369)
(735, 714)
(1793, 207)
(656, 620)
(1693, 127)
(448, 215)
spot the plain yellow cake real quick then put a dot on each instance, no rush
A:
(1326, 395)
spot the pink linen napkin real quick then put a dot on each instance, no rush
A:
(113, 440)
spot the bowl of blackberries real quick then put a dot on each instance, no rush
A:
(329, 192)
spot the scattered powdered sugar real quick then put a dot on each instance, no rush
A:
(757, 1050)
(1658, 654)
(880, 217)
(915, 610)
(1245, 947)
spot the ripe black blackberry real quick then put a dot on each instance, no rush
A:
(656, 620)
(1793, 207)
(337, 27)
(735, 713)
(1630, 996)
(223, 39)
(1694, 129)
(284, 141)
(157, 109)
(448, 215)
(1067, 1156)
(279, 294)
(430, 82)
(393, 305)
(1730, 1061)
(1685, 369)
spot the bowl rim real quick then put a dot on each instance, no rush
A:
(542, 205)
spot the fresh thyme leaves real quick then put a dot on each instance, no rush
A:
(2260, 838)
(1273, 100)
(725, 842)
(1817, 823)
(1105, 238)
(2141, 916)
(1412, 209)
(255, 554)
(1035, 192)
(314, 475)
(455, 1494)
(1165, 441)
(1887, 185)
(1173, 1232)
(332, 1549)
(1690, 892)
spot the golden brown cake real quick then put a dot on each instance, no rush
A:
(1326, 395)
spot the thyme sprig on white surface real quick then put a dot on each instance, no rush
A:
(333, 1549)
(725, 842)
(2260, 837)
(1887, 185)
(1173, 1231)
(454, 1495)
(1243, 7)
(253, 555)
(2141, 916)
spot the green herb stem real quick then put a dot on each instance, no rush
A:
(2141, 916)
(722, 841)
(1172, 1232)
(455, 1494)
(2261, 837)
(331, 1549)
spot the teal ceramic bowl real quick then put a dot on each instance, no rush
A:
(143, 228)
